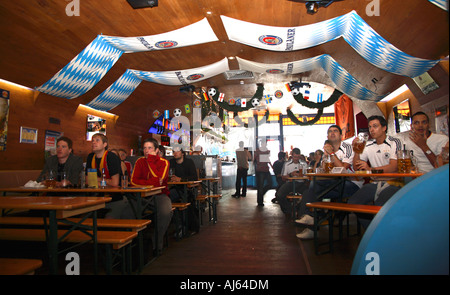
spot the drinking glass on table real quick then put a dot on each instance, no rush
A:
(51, 181)
(359, 143)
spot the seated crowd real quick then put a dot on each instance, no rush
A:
(380, 153)
(153, 169)
(110, 165)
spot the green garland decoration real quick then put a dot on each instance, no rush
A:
(319, 105)
(294, 119)
(233, 108)
(298, 98)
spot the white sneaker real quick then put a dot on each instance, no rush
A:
(306, 219)
(306, 234)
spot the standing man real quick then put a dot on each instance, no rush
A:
(242, 158)
(381, 152)
(291, 168)
(341, 154)
(102, 160)
(425, 144)
(154, 170)
(63, 162)
(262, 163)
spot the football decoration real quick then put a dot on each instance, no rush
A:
(232, 101)
(212, 92)
(278, 94)
(295, 91)
(255, 102)
(177, 112)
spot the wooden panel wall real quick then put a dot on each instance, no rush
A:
(32, 109)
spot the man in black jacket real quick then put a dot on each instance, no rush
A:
(63, 163)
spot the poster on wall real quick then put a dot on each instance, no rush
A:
(50, 142)
(4, 111)
(95, 125)
(28, 135)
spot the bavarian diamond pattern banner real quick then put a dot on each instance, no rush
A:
(443, 4)
(88, 67)
(355, 31)
(343, 80)
(184, 77)
(130, 80)
(84, 71)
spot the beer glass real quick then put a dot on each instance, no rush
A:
(328, 164)
(404, 161)
(360, 143)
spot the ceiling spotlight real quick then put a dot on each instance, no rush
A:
(312, 7)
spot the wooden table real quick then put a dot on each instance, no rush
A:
(58, 208)
(210, 180)
(134, 193)
(186, 184)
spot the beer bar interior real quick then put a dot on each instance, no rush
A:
(262, 138)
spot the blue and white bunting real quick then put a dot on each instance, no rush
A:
(355, 31)
(121, 89)
(116, 93)
(343, 80)
(88, 67)
(84, 71)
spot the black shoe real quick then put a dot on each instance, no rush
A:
(235, 196)
(243, 196)
(274, 200)
(260, 205)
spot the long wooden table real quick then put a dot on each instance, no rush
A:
(58, 208)
(131, 193)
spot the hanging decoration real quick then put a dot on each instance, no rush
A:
(231, 107)
(121, 89)
(343, 80)
(351, 27)
(85, 70)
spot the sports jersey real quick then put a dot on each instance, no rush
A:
(380, 154)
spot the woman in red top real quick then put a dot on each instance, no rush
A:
(154, 170)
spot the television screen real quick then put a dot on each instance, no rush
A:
(95, 125)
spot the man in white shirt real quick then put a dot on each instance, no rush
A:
(381, 153)
(341, 154)
(291, 168)
(426, 145)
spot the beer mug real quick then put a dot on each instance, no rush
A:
(328, 164)
(360, 143)
(404, 161)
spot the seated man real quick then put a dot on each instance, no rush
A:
(291, 168)
(154, 170)
(102, 160)
(426, 145)
(381, 153)
(183, 170)
(341, 156)
(63, 162)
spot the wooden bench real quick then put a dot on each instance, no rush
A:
(134, 225)
(212, 204)
(19, 266)
(111, 239)
(181, 218)
(335, 206)
(295, 199)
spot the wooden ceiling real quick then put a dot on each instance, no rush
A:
(39, 39)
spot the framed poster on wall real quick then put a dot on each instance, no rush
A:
(28, 135)
(4, 111)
